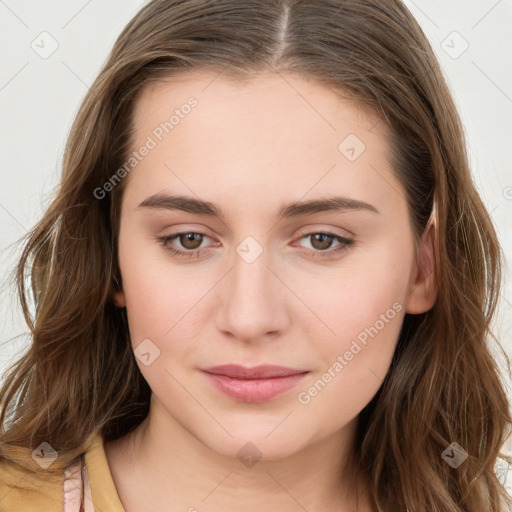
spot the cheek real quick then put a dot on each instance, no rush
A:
(356, 359)
(155, 295)
(362, 337)
(367, 289)
(362, 308)
(161, 318)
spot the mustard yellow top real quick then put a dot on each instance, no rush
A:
(50, 497)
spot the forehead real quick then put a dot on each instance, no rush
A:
(260, 97)
(273, 129)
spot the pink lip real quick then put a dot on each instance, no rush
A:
(256, 384)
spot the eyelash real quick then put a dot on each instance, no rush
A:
(345, 243)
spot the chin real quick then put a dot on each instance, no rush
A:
(254, 444)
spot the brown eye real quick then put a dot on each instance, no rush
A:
(190, 240)
(321, 241)
(321, 244)
(184, 244)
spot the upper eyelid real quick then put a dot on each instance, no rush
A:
(309, 231)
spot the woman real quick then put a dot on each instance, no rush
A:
(266, 280)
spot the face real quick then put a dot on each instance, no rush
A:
(248, 279)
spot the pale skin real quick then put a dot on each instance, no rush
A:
(250, 149)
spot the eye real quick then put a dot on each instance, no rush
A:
(189, 240)
(321, 242)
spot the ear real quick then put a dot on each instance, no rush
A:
(423, 289)
(118, 295)
(120, 299)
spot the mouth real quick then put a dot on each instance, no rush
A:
(253, 384)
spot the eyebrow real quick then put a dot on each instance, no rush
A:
(296, 209)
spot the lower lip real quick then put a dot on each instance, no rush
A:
(254, 390)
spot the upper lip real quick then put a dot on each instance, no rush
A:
(263, 371)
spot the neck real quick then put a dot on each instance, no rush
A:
(161, 463)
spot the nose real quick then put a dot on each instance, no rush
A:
(253, 299)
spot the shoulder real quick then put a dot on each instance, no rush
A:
(22, 492)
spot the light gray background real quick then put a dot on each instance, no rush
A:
(40, 93)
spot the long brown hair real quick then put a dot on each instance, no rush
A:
(79, 375)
